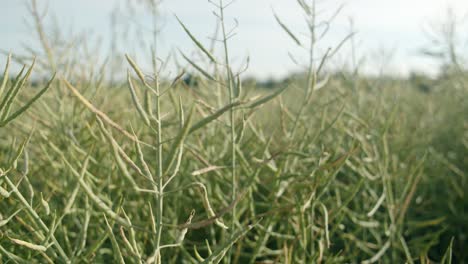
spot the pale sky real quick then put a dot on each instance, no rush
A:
(391, 25)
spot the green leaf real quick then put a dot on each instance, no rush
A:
(115, 245)
(136, 68)
(205, 121)
(287, 30)
(198, 43)
(28, 104)
(15, 90)
(219, 253)
(267, 98)
(200, 69)
(5, 75)
(12, 89)
(136, 101)
(447, 259)
(179, 140)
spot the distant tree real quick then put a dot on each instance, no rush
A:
(421, 81)
(190, 80)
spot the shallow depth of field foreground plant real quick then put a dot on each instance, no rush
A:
(326, 167)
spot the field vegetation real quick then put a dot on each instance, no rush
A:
(327, 166)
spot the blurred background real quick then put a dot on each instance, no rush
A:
(391, 36)
(355, 151)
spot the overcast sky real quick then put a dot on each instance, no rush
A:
(389, 25)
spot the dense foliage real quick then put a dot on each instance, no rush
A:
(325, 168)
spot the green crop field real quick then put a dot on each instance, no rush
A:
(323, 167)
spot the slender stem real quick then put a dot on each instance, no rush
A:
(231, 121)
(311, 82)
(311, 74)
(231, 111)
(160, 197)
(159, 175)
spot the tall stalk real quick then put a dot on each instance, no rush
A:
(159, 195)
(311, 74)
(159, 153)
(229, 84)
